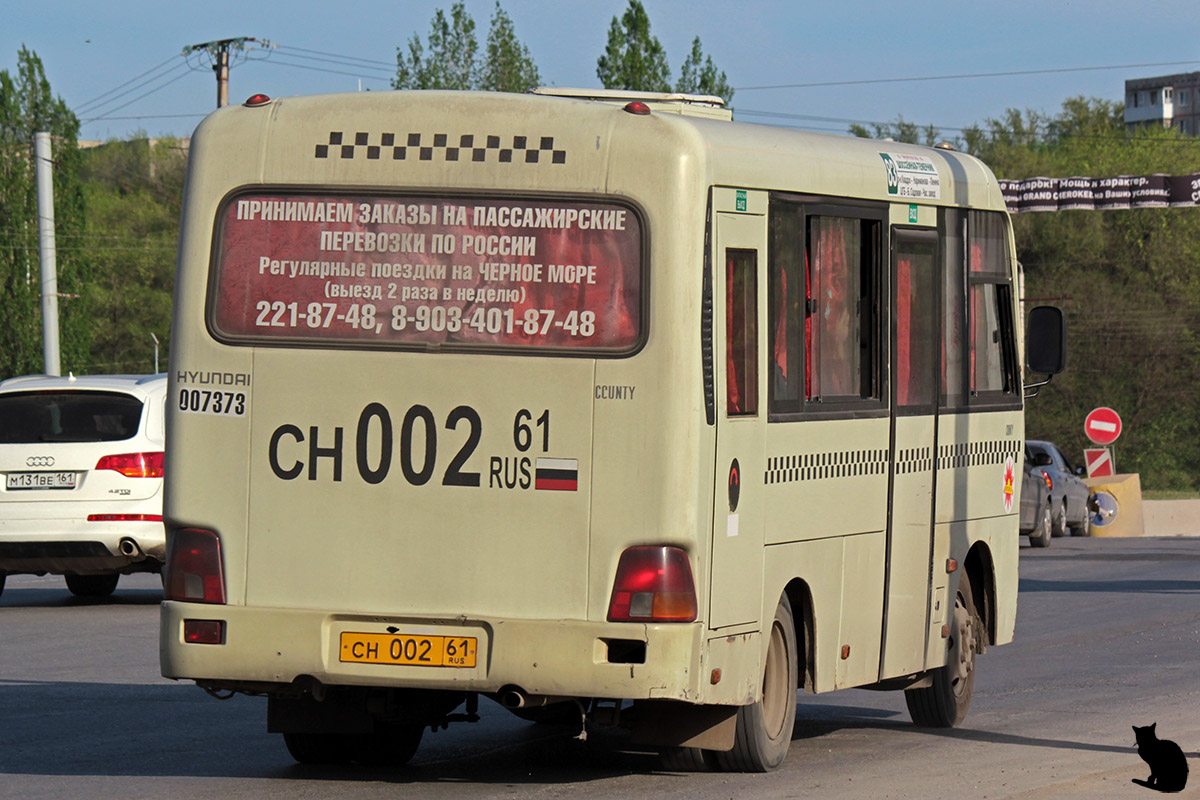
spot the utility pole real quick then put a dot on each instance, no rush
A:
(47, 252)
(219, 50)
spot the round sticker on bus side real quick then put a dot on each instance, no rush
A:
(1009, 476)
(735, 485)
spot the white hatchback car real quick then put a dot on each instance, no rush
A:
(82, 462)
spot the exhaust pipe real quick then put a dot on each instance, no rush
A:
(516, 697)
(129, 547)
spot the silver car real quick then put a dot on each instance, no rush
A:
(82, 463)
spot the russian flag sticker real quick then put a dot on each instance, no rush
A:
(556, 474)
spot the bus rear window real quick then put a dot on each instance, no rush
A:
(421, 271)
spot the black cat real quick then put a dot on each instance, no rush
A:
(1168, 766)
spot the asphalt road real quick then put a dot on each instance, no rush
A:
(1107, 637)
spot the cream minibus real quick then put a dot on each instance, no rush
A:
(588, 403)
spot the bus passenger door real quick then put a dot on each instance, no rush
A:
(739, 255)
(914, 371)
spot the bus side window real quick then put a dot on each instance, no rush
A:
(841, 323)
(953, 365)
(824, 270)
(741, 332)
(914, 292)
(788, 273)
(989, 307)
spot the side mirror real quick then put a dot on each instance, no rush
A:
(1081, 472)
(1045, 345)
(1046, 341)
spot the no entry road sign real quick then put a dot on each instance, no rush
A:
(1103, 425)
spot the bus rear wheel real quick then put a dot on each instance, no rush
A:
(764, 729)
(92, 585)
(391, 746)
(945, 703)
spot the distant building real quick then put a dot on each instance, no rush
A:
(1172, 101)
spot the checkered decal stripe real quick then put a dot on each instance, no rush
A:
(976, 454)
(437, 147)
(822, 466)
(916, 460)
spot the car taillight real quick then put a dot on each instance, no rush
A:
(134, 465)
(654, 584)
(1049, 483)
(193, 570)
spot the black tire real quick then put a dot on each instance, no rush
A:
(1040, 536)
(687, 759)
(1084, 528)
(318, 748)
(764, 729)
(1058, 522)
(945, 703)
(390, 746)
(92, 585)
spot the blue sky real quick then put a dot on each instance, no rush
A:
(91, 48)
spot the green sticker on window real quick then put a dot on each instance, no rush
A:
(741, 199)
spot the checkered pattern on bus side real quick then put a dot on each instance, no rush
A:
(820, 466)
(854, 463)
(430, 147)
(977, 454)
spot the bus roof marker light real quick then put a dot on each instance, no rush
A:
(256, 100)
(637, 107)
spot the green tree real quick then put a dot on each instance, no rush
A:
(1126, 279)
(699, 75)
(448, 59)
(899, 131)
(27, 106)
(450, 63)
(134, 196)
(509, 66)
(634, 59)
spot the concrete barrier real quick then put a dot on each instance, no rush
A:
(1171, 517)
(1127, 491)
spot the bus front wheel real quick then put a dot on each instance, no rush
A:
(945, 703)
(764, 729)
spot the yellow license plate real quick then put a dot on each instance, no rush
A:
(411, 650)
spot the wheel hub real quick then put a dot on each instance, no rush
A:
(962, 647)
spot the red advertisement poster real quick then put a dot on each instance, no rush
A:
(429, 271)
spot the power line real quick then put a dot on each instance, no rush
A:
(150, 116)
(93, 107)
(1008, 74)
(389, 64)
(123, 85)
(139, 97)
(321, 69)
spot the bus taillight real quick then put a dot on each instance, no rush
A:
(654, 584)
(193, 569)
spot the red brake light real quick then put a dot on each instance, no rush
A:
(193, 571)
(204, 631)
(653, 584)
(124, 518)
(1049, 483)
(134, 465)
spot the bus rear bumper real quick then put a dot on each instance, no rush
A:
(263, 647)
